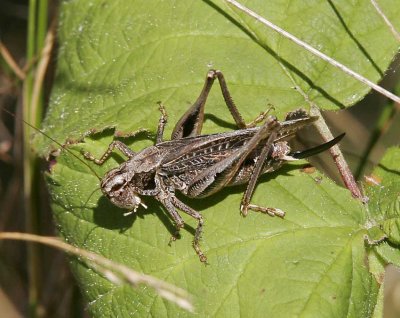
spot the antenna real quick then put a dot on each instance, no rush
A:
(55, 141)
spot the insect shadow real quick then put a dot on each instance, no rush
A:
(219, 122)
(108, 216)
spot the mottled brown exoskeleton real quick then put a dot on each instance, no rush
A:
(200, 165)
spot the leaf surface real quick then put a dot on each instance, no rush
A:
(117, 59)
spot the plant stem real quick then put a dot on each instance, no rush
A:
(337, 155)
(344, 169)
(37, 111)
(36, 28)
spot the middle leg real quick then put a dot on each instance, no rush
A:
(161, 123)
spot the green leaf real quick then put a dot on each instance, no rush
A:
(117, 59)
(311, 261)
(383, 218)
(384, 205)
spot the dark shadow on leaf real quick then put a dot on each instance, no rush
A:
(388, 169)
(140, 136)
(351, 35)
(51, 181)
(109, 216)
(220, 122)
(98, 135)
(155, 207)
(111, 132)
(391, 244)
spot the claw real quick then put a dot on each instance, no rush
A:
(269, 211)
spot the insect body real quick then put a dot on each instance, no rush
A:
(200, 165)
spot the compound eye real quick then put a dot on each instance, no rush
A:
(117, 187)
(118, 183)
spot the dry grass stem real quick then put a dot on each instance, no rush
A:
(11, 62)
(115, 272)
(387, 21)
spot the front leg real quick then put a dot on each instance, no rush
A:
(124, 148)
(199, 229)
(115, 144)
(170, 202)
(178, 221)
